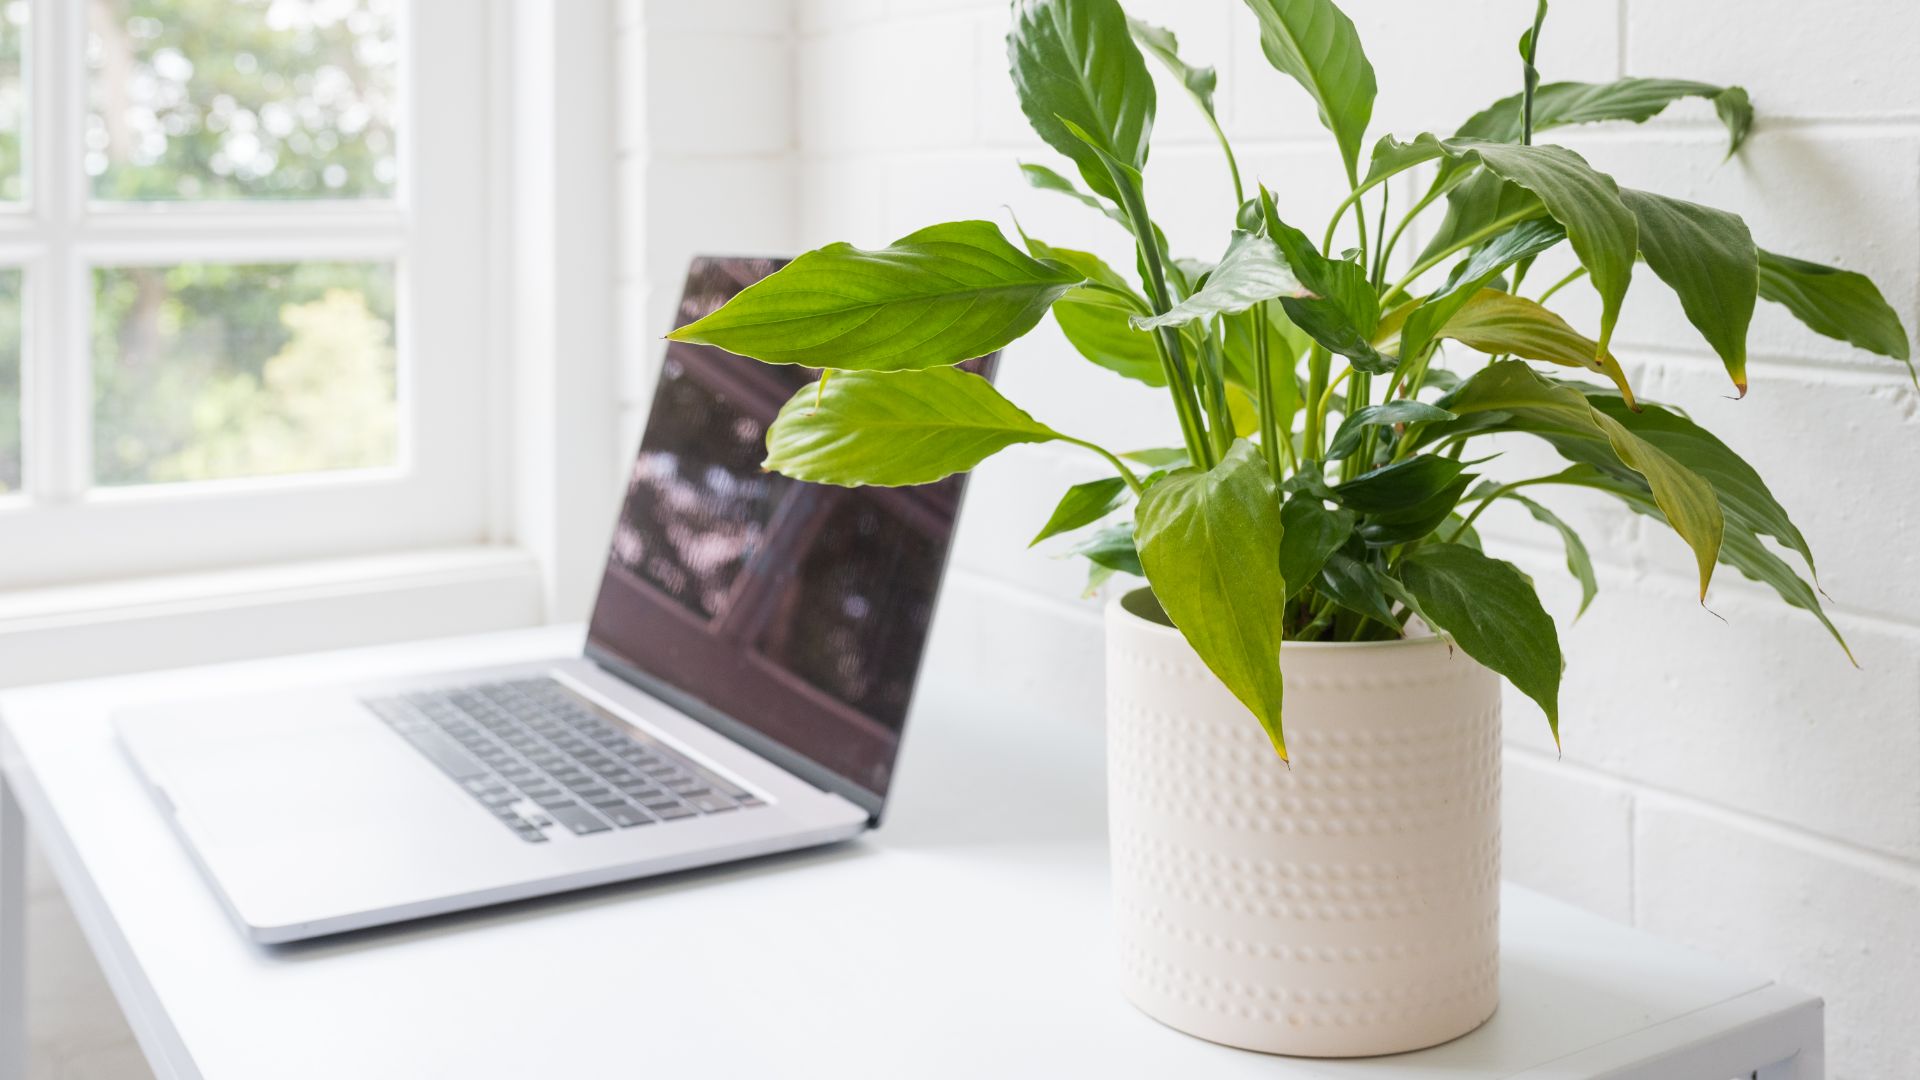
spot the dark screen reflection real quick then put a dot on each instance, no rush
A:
(799, 610)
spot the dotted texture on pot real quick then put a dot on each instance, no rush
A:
(1348, 905)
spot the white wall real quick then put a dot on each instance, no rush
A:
(1731, 784)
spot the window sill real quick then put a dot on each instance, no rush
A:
(114, 627)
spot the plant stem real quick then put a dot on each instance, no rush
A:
(1133, 482)
(1359, 220)
(1172, 357)
(1379, 257)
(1219, 418)
(1386, 249)
(1174, 366)
(1359, 396)
(1530, 78)
(1462, 244)
(1263, 379)
(1324, 402)
(1578, 273)
(1239, 193)
(1319, 360)
(1489, 498)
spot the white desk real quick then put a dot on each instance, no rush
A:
(967, 938)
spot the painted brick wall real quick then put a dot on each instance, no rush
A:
(1733, 784)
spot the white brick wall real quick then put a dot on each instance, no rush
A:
(1733, 785)
(706, 117)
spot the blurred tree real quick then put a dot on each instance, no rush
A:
(207, 370)
(241, 99)
(200, 370)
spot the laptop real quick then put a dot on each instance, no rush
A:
(747, 673)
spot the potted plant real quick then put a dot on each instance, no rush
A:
(1318, 877)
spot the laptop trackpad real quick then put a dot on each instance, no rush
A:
(323, 766)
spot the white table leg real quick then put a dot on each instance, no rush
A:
(13, 936)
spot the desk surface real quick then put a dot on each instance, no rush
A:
(969, 937)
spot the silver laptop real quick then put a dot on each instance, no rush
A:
(746, 677)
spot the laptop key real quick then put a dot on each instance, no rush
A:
(452, 758)
(579, 820)
(531, 756)
(627, 817)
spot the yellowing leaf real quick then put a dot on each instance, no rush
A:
(1495, 322)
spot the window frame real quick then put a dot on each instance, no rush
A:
(440, 230)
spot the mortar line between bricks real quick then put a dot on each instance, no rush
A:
(1882, 369)
(1882, 863)
(1723, 578)
(1687, 129)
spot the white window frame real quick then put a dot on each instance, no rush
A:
(440, 231)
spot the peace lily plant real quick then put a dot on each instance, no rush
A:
(1324, 488)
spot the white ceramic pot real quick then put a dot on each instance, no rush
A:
(1346, 906)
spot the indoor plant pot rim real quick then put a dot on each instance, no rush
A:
(1120, 599)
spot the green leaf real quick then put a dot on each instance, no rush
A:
(1097, 576)
(1111, 548)
(1158, 457)
(1483, 206)
(1252, 271)
(895, 428)
(1556, 104)
(1735, 110)
(1579, 563)
(1490, 610)
(1208, 542)
(1707, 257)
(1103, 285)
(1488, 261)
(1162, 45)
(1105, 336)
(1416, 519)
(1508, 396)
(1741, 549)
(1587, 203)
(1348, 580)
(1603, 232)
(1399, 411)
(1083, 505)
(1315, 42)
(1744, 496)
(1045, 179)
(1094, 319)
(1285, 344)
(1311, 531)
(1074, 60)
(1837, 303)
(930, 299)
(1744, 552)
(1495, 322)
(1399, 485)
(1343, 310)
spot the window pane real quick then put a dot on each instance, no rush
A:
(10, 336)
(13, 99)
(205, 371)
(241, 99)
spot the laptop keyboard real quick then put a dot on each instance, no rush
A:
(537, 757)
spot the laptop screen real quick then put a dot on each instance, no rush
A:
(792, 616)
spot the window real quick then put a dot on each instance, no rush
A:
(243, 266)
